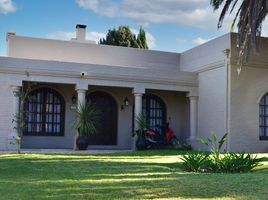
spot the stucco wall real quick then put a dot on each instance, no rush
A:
(259, 58)
(206, 55)
(212, 103)
(77, 52)
(246, 90)
(6, 126)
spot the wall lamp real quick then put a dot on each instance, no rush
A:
(74, 99)
(125, 103)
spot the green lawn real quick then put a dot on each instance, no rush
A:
(136, 175)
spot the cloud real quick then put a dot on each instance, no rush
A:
(95, 36)
(199, 41)
(61, 35)
(180, 40)
(7, 6)
(193, 13)
(105, 7)
(92, 5)
(151, 41)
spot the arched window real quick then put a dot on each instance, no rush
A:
(264, 117)
(44, 113)
(156, 113)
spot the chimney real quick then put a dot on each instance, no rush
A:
(9, 34)
(81, 32)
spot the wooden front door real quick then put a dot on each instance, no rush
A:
(107, 120)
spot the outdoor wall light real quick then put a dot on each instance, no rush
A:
(125, 104)
(74, 99)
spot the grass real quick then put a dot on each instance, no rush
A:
(134, 175)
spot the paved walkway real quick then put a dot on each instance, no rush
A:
(66, 151)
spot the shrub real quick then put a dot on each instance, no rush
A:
(217, 162)
(238, 162)
(194, 162)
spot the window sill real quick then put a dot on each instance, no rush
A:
(263, 137)
(36, 135)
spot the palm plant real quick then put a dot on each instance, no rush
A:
(142, 126)
(86, 119)
(250, 15)
(194, 161)
(140, 130)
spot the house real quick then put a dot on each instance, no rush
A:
(197, 91)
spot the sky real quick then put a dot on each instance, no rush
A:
(170, 25)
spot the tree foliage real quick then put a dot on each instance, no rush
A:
(249, 17)
(122, 36)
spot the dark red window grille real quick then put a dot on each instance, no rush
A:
(156, 113)
(44, 113)
(263, 118)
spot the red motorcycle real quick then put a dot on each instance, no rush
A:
(157, 140)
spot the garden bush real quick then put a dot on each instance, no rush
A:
(238, 162)
(194, 162)
(218, 162)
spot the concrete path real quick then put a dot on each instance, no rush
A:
(66, 151)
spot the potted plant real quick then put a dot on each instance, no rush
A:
(141, 129)
(85, 124)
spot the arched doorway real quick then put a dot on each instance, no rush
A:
(107, 120)
(155, 110)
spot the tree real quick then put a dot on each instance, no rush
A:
(142, 39)
(250, 15)
(125, 38)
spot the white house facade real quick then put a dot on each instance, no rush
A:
(197, 91)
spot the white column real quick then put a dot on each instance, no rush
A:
(81, 96)
(193, 117)
(12, 143)
(81, 100)
(138, 106)
(137, 92)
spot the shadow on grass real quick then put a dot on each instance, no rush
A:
(107, 177)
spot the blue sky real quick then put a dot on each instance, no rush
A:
(171, 25)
